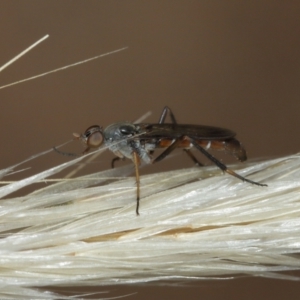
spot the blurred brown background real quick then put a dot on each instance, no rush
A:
(233, 64)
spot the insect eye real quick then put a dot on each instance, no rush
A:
(93, 136)
(95, 139)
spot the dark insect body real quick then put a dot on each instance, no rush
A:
(138, 142)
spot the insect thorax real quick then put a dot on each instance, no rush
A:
(119, 138)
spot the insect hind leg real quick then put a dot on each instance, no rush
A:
(222, 166)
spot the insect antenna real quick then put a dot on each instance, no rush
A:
(65, 153)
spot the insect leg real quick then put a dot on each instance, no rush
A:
(136, 161)
(193, 158)
(222, 166)
(167, 151)
(162, 119)
(164, 114)
(113, 161)
(172, 147)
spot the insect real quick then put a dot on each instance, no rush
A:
(138, 142)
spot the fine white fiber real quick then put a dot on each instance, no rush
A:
(195, 223)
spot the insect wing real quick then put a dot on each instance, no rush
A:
(197, 132)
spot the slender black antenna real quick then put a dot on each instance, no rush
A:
(65, 153)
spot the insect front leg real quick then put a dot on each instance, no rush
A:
(117, 158)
